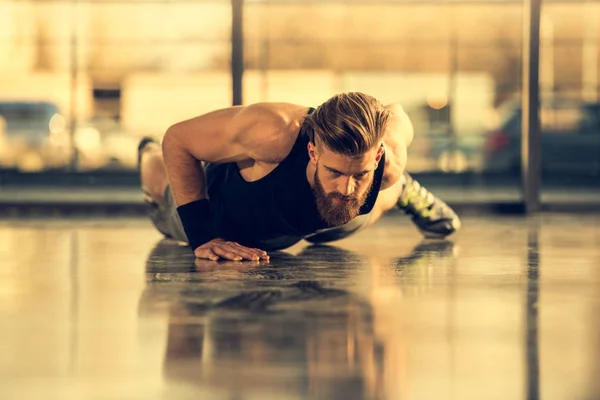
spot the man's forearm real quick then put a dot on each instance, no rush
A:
(186, 174)
(188, 186)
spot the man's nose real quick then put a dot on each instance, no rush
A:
(346, 186)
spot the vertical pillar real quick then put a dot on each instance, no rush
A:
(74, 70)
(530, 141)
(589, 64)
(237, 49)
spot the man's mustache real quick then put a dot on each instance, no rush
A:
(342, 197)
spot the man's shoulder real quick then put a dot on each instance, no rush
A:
(272, 129)
(276, 115)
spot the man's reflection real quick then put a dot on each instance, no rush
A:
(278, 326)
(284, 326)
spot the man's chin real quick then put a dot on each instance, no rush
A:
(333, 218)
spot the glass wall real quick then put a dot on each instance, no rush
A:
(454, 67)
(570, 108)
(83, 80)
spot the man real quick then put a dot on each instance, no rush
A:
(236, 182)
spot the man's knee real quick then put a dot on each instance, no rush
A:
(154, 174)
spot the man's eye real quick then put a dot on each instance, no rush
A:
(361, 175)
(335, 174)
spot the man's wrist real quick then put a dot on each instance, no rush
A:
(197, 222)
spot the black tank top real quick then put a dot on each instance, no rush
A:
(279, 207)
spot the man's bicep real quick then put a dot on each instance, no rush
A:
(212, 137)
(230, 135)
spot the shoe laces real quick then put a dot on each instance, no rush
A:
(416, 200)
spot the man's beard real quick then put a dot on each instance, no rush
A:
(336, 213)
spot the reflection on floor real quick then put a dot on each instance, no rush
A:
(509, 309)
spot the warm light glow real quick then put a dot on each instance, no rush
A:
(30, 162)
(437, 101)
(2, 126)
(491, 119)
(87, 139)
(455, 161)
(57, 123)
(59, 139)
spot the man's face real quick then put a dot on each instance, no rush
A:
(342, 183)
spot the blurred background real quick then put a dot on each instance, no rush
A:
(83, 80)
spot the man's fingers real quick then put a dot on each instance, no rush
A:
(206, 253)
(262, 254)
(245, 252)
(229, 251)
(225, 253)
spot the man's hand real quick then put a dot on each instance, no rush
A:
(228, 267)
(218, 249)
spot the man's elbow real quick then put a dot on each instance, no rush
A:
(401, 123)
(170, 143)
(395, 108)
(177, 148)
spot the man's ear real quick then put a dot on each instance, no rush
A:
(380, 152)
(312, 153)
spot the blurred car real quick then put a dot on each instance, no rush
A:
(33, 136)
(570, 139)
(102, 144)
(457, 153)
(436, 148)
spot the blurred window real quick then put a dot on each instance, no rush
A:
(561, 120)
(16, 114)
(590, 125)
(438, 119)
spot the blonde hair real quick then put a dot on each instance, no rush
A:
(349, 123)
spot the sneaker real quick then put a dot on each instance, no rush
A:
(434, 218)
(142, 145)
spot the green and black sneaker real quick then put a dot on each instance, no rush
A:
(434, 218)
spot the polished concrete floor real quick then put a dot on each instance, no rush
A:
(509, 309)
